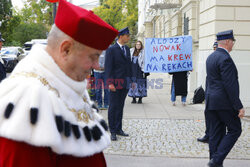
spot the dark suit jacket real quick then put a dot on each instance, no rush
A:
(2, 72)
(118, 66)
(222, 86)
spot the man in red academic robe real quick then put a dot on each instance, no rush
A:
(46, 116)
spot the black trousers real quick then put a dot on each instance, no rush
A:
(220, 141)
(115, 112)
(207, 124)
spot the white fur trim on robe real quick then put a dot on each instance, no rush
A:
(29, 92)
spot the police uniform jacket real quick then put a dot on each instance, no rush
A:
(222, 86)
(118, 66)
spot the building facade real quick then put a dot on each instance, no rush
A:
(201, 19)
(89, 4)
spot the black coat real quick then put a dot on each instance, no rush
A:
(2, 72)
(118, 66)
(222, 86)
(180, 83)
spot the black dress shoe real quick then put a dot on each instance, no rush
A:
(121, 133)
(211, 163)
(113, 137)
(140, 101)
(204, 139)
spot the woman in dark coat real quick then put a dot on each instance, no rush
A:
(138, 88)
(179, 86)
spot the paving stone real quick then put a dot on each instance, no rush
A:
(171, 138)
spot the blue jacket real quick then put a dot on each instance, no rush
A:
(118, 66)
(222, 86)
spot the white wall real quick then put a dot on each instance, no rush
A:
(221, 15)
(206, 19)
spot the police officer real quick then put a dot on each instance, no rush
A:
(215, 46)
(118, 70)
(205, 138)
(223, 105)
(2, 68)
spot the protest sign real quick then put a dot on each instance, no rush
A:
(164, 55)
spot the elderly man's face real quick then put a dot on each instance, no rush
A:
(81, 61)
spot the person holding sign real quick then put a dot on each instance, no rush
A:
(179, 86)
(170, 55)
(223, 105)
(138, 88)
(118, 71)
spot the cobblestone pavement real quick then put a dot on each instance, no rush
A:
(172, 138)
(159, 129)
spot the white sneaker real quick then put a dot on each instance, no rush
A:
(184, 103)
(173, 103)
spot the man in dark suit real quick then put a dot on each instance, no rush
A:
(118, 70)
(205, 138)
(223, 105)
(2, 68)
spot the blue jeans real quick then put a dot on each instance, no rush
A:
(100, 84)
(173, 97)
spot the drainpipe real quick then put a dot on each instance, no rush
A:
(197, 19)
(164, 32)
(154, 28)
(54, 12)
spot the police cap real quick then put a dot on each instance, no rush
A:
(124, 31)
(225, 35)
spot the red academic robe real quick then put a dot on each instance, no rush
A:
(20, 154)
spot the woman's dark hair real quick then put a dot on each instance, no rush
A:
(136, 51)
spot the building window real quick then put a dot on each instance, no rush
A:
(186, 24)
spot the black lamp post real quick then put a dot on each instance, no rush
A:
(54, 12)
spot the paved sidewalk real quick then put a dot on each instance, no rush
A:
(141, 161)
(164, 134)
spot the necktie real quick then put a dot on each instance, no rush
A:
(124, 51)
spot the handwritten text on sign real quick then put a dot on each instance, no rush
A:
(168, 54)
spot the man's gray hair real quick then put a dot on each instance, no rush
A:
(56, 36)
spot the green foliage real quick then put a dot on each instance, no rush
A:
(101, 2)
(5, 9)
(25, 32)
(31, 22)
(110, 11)
(37, 12)
(132, 18)
(120, 14)
(8, 29)
(5, 16)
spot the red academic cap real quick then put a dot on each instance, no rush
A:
(84, 26)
